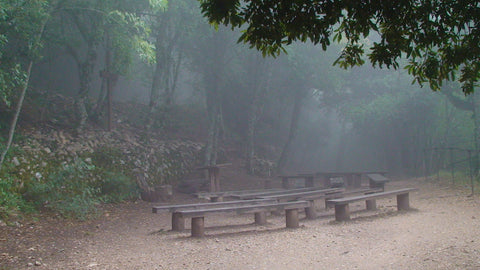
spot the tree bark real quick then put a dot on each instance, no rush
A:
(255, 110)
(297, 106)
(214, 120)
(11, 132)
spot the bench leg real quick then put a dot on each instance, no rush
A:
(309, 182)
(310, 211)
(357, 180)
(371, 204)
(178, 222)
(198, 227)
(261, 218)
(216, 199)
(268, 184)
(342, 212)
(292, 218)
(403, 202)
(287, 183)
(325, 181)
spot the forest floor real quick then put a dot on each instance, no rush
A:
(442, 231)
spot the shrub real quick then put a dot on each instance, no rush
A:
(117, 187)
(67, 192)
(11, 202)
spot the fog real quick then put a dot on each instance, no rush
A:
(296, 109)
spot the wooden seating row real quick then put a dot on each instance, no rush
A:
(287, 202)
(291, 214)
(342, 211)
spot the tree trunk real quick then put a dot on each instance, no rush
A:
(17, 114)
(35, 44)
(156, 85)
(214, 121)
(297, 106)
(85, 75)
(340, 157)
(476, 132)
(167, 68)
(252, 120)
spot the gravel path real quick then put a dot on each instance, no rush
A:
(441, 232)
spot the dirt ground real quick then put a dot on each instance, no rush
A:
(442, 231)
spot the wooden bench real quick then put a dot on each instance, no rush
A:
(364, 191)
(253, 195)
(219, 196)
(342, 211)
(288, 180)
(309, 196)
(260, 210)
(178, 222)
(377, 180)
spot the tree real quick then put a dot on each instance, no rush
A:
(20, 45)
(83, 26)
(439, 38)
(171, 28)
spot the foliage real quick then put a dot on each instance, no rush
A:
(36, 180)
(116, 187)
(19, 26)
(68, 192)
(11, 202)
(438, 37)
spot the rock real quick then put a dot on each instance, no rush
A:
(29, 264)
(38, 263)
(15, 161)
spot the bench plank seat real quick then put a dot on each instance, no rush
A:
(178, 222)
(267, 207)
(214, 196)
(377, 180)
(291, 213)
(283, 192)
(313, 196)
(307, 194)
(333, 196)
(176, 207)
(342, 211)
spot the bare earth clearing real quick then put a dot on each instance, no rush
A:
(441, 232)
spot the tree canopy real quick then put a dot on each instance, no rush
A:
(439, 38)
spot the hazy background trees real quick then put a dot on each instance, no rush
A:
(296, 110)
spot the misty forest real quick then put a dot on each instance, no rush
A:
(107, 102)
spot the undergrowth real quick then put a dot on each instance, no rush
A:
(71, 190)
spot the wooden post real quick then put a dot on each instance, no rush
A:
(286, 183)
(268, 183)
(212, 182)
(216, 199)
(403, 202)
(357, 180)
(309, 181)
(291, 216)
(216, 177)
(261, 218)
(327, 204)
(310, 211)
(178, 222)
(371, 204)
(198, 227)
(325, 180)
(342, 212)
(348, 180)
